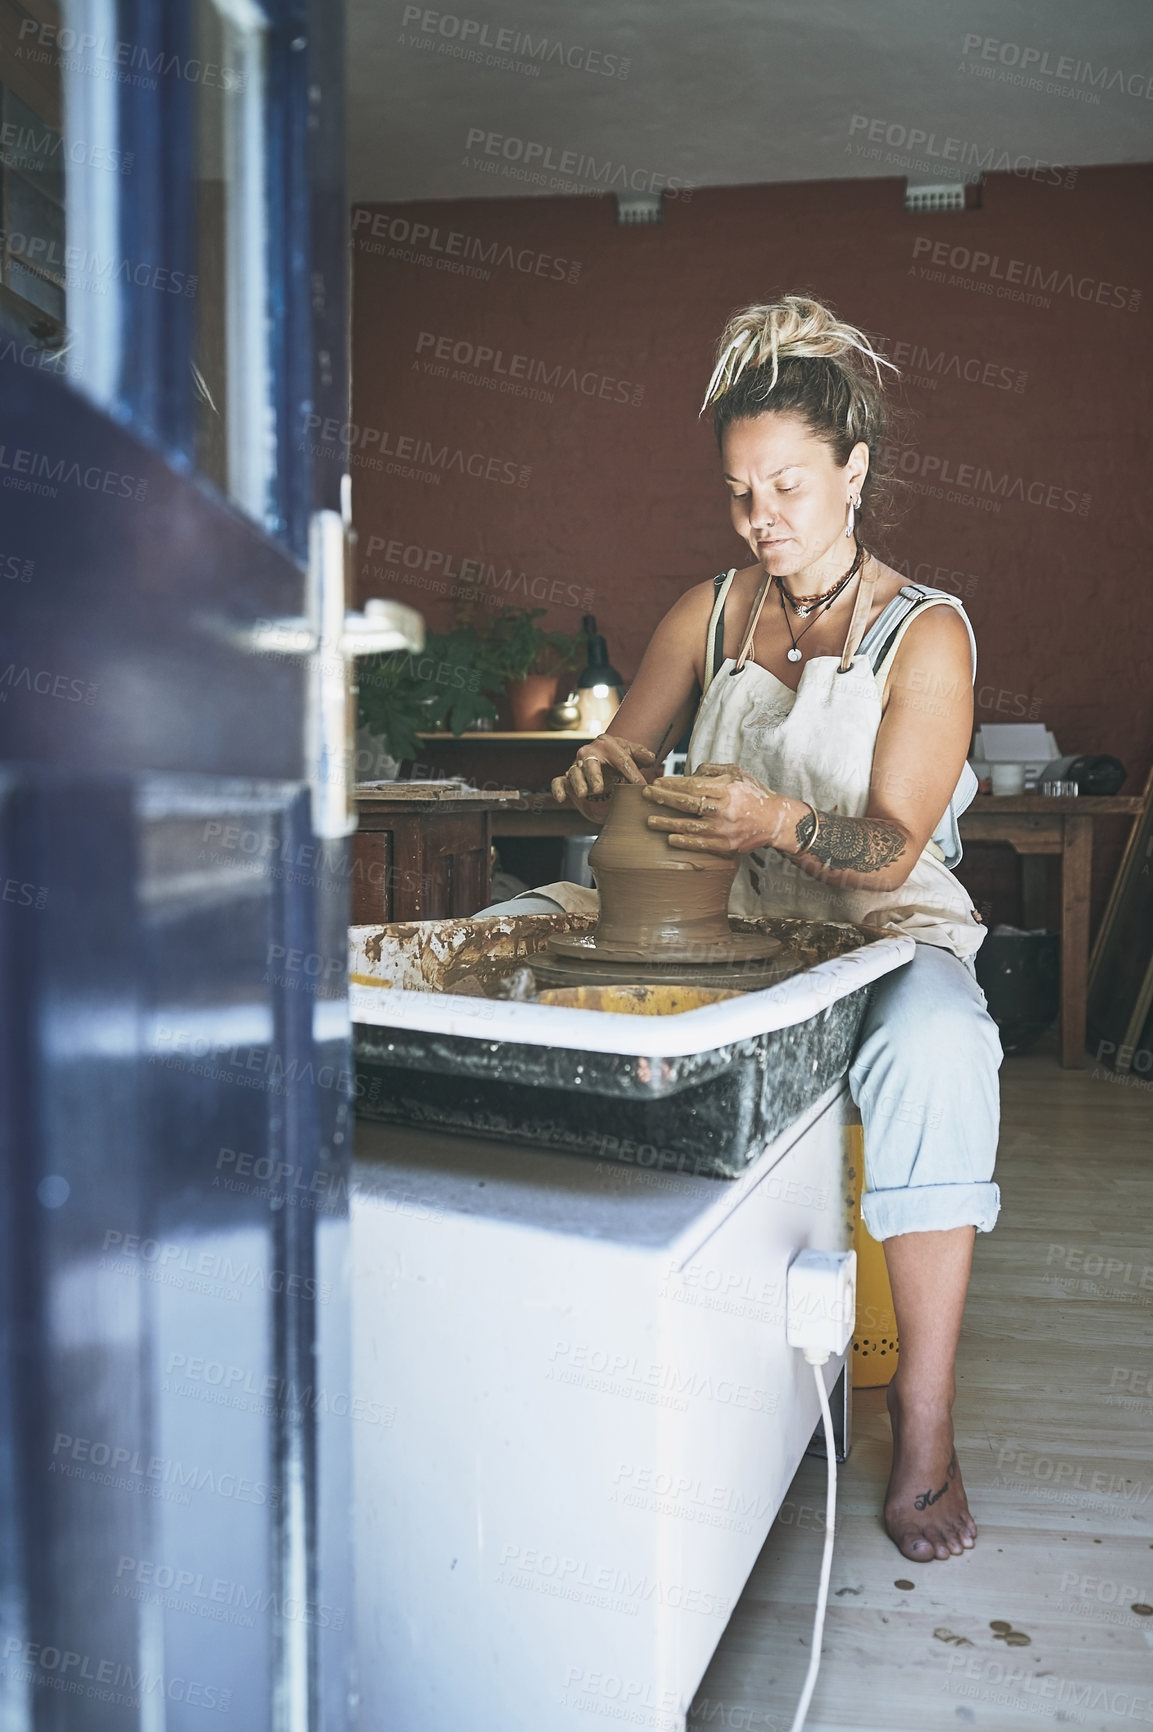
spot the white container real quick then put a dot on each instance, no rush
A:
(590, 1411)
(1008, 778)
(591, 1418)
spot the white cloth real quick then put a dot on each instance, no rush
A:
(817, 744)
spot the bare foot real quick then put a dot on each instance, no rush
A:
(926, 1511)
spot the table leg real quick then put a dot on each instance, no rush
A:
(1076, 862)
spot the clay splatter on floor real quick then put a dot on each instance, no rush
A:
(1004, 1632)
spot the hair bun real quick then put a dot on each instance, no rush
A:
(792, 327)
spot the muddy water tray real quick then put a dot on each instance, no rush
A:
(700, 1093)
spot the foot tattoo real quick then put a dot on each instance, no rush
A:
(928, 1497)
(925, 1524)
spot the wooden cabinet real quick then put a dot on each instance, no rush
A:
(422, 858)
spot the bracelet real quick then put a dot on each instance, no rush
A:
(808, 847)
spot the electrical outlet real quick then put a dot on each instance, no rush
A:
(821, 1302)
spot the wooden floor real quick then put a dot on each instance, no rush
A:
(1054, 1415)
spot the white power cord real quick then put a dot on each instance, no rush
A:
(822, 1296)
(827, 1554)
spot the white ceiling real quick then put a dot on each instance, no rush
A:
(731, 92)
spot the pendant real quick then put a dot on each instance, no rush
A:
(804, 612)
(793, 655)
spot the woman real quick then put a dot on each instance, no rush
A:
(834, 708)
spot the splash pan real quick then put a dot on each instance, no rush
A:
(701, 1091)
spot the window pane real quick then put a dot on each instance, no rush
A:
(35, 229)
(234, 445)
(32, 293)
(36, 145)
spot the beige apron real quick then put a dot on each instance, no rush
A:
(816, 744)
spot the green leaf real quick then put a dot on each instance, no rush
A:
(468, 708)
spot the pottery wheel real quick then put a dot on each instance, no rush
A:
(586, 968)
(738, 947)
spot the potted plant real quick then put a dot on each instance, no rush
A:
(448, 687)
(530, 660)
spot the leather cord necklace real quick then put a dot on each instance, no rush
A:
(817, 605)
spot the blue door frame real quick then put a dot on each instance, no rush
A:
(175, 1415)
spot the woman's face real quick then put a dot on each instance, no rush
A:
(790, 498)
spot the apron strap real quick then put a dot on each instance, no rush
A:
(860, 615)
(751, 629)
(715, 641)
(714, 650)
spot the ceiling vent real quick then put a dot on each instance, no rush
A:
(951, 196)
(638, 207)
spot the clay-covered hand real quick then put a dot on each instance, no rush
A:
(604, 761)
(720, 809)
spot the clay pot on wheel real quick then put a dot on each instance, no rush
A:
(654, 899)
(663, 912)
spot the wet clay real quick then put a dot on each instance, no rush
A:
(449, 955)
(656, 903)
(650, 898)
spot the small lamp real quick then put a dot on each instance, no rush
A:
(600, 687)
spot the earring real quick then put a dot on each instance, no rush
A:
(853, 503)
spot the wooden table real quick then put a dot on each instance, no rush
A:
(499, 736)
(422, 853)
(1036, 825)
(539, 815)
(492, 758)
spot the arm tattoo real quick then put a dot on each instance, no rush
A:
(850, 844)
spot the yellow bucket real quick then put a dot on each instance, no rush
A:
(636, 1000)
(874, 1355)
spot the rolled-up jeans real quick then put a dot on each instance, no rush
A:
(924, 1075)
